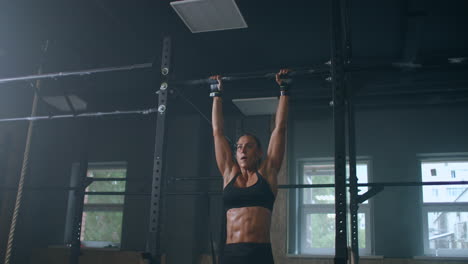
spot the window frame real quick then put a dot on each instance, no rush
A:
(110, 207)
(439, 207)
(300, 211)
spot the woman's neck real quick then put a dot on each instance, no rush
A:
(248, 171)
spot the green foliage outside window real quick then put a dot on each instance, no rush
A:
(321, 231)
(103, 226)
(102, 217)
(107, 173)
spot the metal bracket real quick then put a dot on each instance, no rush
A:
(369, 194)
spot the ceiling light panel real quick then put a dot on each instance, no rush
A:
(209, 15)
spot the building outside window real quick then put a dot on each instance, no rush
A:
(445, 207)
(102, 214)
(316, 209)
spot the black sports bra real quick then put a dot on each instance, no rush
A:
(259, 194)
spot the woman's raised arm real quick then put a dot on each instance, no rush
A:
(277, 145)
(222, 149)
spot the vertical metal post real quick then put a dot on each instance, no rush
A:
(353, 189)
(345, 10)
(75, 250)
(338, 85)
(353, 180)
(153, 243)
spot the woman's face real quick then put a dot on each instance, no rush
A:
(247, 152)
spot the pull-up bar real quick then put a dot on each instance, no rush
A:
(256, 75)
(320, 71)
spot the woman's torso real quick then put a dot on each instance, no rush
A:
(248, 204)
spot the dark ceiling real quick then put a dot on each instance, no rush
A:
(103, 33)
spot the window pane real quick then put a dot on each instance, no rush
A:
(104, 199)
(318, 174)
(361, 173)
(362, 230)
(107, 173)
(314, 173)
(101, 226)
(445, 171)
(448, 230)
(320, 231)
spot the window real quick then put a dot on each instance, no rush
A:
(315, 221)
(445, 207)
(102, 214)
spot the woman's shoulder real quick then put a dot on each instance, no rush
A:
(269, 174)
(266, 170)
(266, 174)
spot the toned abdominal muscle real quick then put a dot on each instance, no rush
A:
(248, 224)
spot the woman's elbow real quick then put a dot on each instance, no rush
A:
(218, 132)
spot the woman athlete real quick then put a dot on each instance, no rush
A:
(250, 184)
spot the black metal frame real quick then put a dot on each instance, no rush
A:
(353, 182)
(339, 115)
(79, 194)
(153, 241)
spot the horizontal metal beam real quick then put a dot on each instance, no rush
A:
(82, 115)
(108, 179)
(283, 186)
(197, 179)
(75, 73)
(193, 193)
(372, 184)
(119, 193)
(103, 207)
(148, 194)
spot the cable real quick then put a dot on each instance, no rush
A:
(199, 111)
(193, 105)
